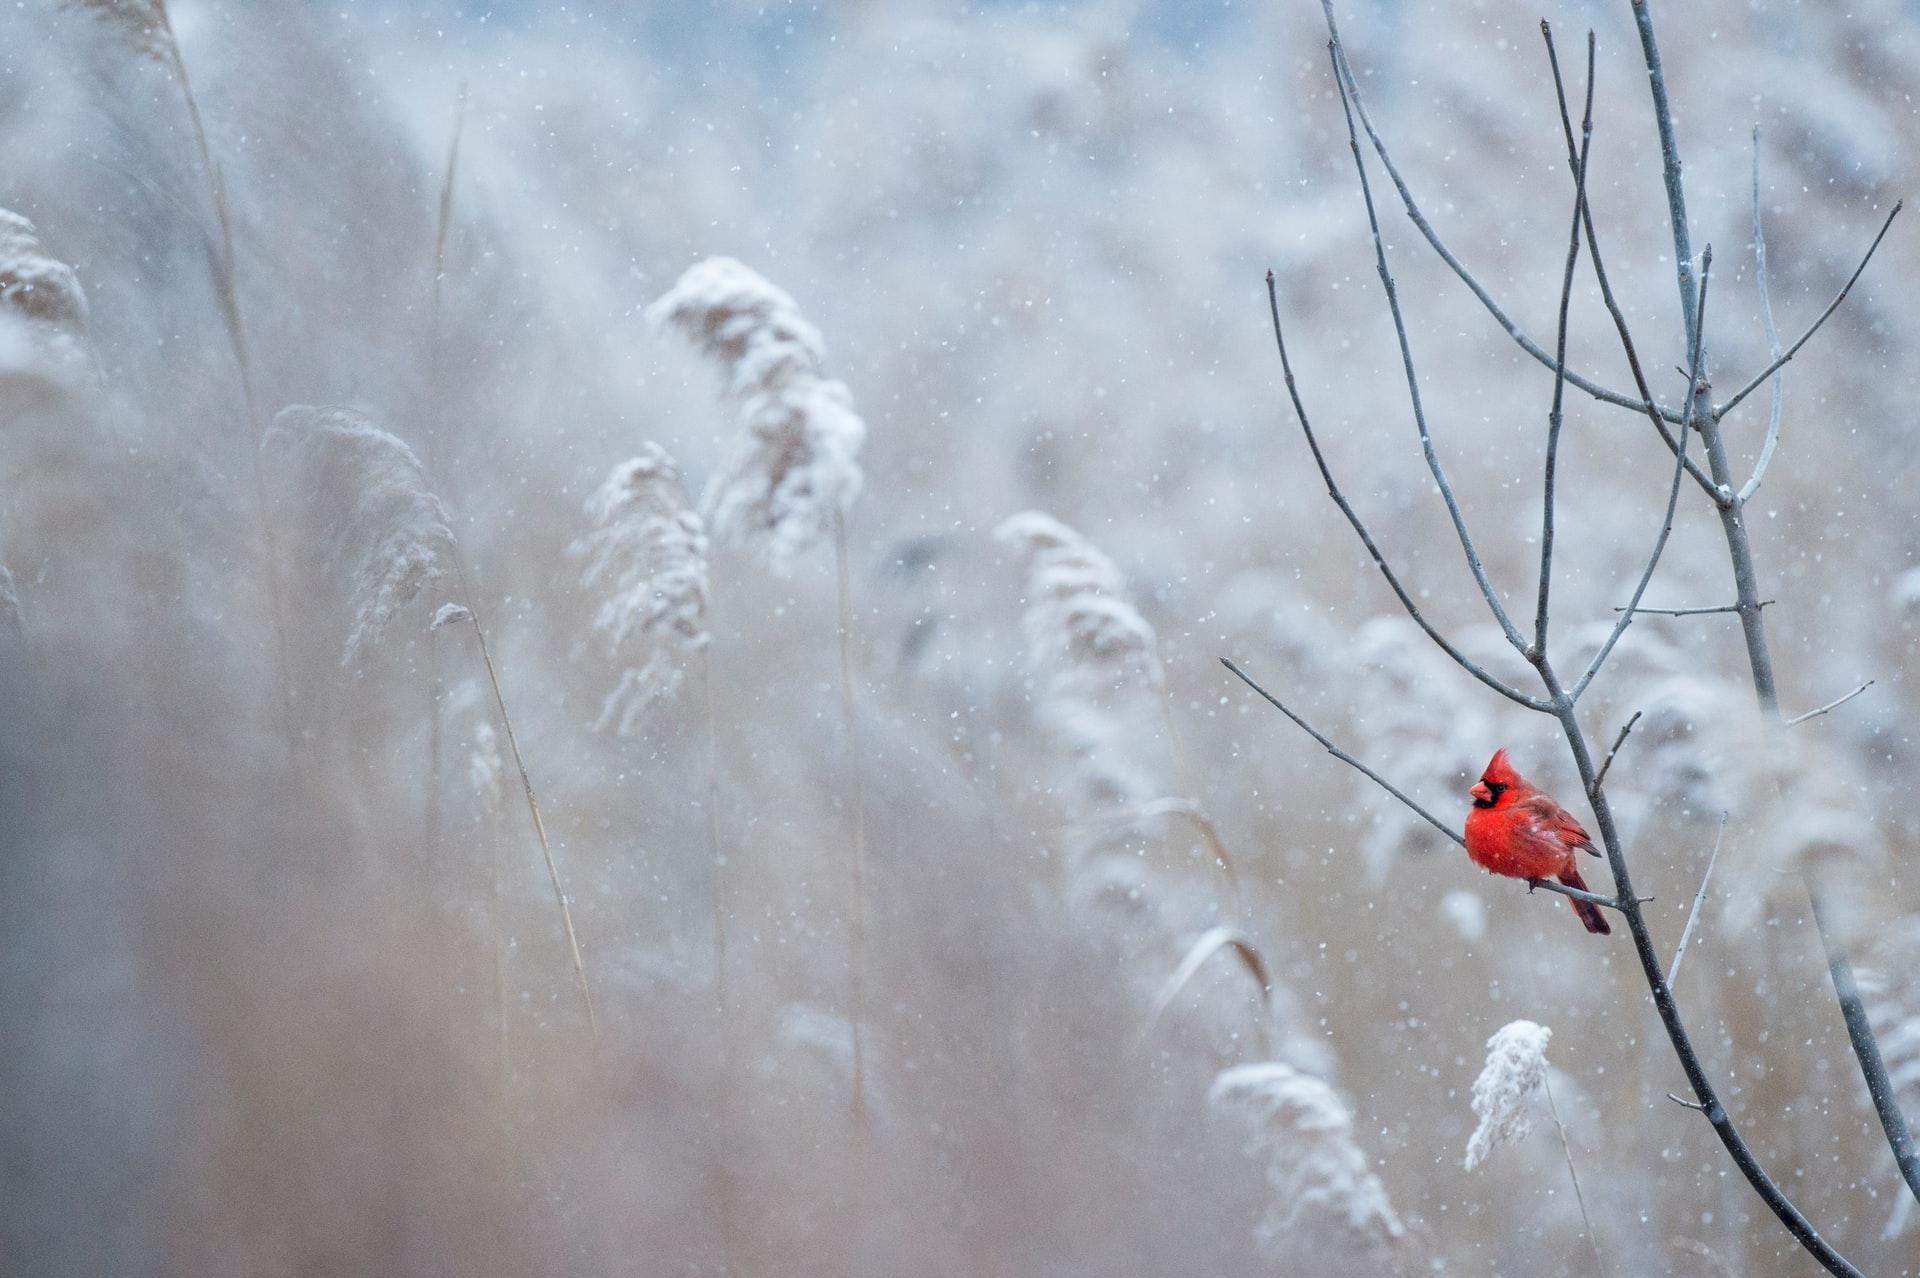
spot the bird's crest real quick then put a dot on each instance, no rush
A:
(1500, 771)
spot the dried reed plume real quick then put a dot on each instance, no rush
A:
(1516, 1068)
(1093, 660)
(43, 305)
(649, 551)
(384, 536)
(360, 491)
(796, 473)
(1322, 1198)
(787, 487)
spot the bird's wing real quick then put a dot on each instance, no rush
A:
(1551, 819)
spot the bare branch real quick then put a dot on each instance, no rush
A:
(1739, 549)
(1433, 239)
(1554, 415)
(1837, 701)
(1681, 1100)
(1413, 380)
(1658, 416)
(1693, 916)
(1773, 334)
(1866, 1048)
(1600, 777)
(1693, 612)
(1359, 526)
(1813, 328)
(1344, 757)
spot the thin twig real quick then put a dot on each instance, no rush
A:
(1474, 565)
(1359, 526)
(1693, 916)
(1593, 1240)
(1600, 778)
(1554, 414)
(1433, 239)
(1692, 612)
(1773, 334)
(1837, 701)
(1813, 328)
(1343, 756)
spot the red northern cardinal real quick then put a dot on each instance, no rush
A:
(1522, 833)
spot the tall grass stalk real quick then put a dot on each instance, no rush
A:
(857, 784)
(436, 684)
(147, 27)
(533, 805)
(786, 488)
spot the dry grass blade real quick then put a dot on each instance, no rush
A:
(1176, 806)
(1208, 944)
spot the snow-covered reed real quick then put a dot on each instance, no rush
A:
(797, 470)
(35, 284)
(358, 491)
(1322, 1198)
(43, 309)
(1093, 662)
(1503, 1095)
(648, 553)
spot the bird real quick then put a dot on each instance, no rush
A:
(1519, 831)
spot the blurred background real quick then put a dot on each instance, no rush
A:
(304, 1006)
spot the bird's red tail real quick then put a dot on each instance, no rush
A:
(1589, 913)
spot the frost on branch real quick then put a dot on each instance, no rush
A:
(356, 496)
(648, 553)
(1322, 1200)
(797, 470)
(1516, 1068)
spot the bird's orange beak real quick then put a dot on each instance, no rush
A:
(1480, 793)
